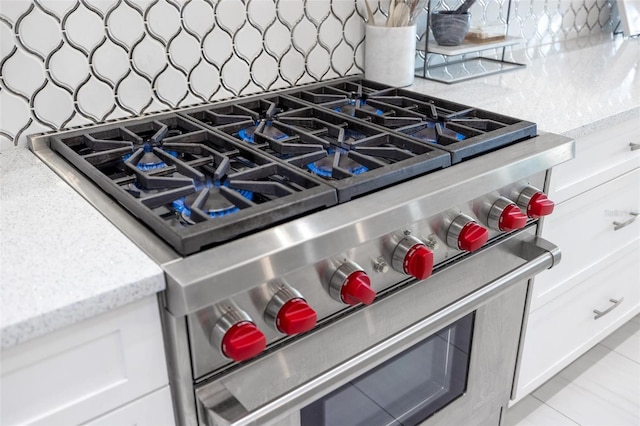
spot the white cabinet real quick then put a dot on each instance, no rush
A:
(600, 267)
(84, 371)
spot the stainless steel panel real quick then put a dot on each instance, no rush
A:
(298, 373)
(240, 265)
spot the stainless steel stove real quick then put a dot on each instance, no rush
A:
(313, 237)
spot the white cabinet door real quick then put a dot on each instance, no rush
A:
(150, 410)
(563, 329)
(583, 229)
(85, 370)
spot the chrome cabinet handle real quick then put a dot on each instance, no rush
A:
(634, 146)
(600, 314)
(620, 225)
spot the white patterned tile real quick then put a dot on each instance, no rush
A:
(125, 24)
(305, 35)
(318, 62)
(134, 93)
(7, 40)
(69, 67)
(218, 47)
(60, 8)
(85, 28)
(191, 99)
(6, 143)
(163, 20)
(95, 99)
(13, 10)
(235, 74)
(155, 106)
(53, 105)
(15, 113)
(39, 32)
(343, 58)
(110, 61)
(290, 11)
(248, 42)
(79, 120)
(222, 94)
(318, 11)
(331, 32)
(262, 13)
(353, 30)
(184, 51)
(149, 57)
(230, 14)
(23, 73)
(264, 71)
(277, 39)
(171, 86)
(343, 9)
(205, 79)
(117, 114)
(198, 17)
(292, 66)
(102, 6)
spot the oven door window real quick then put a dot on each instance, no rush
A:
(406, 389)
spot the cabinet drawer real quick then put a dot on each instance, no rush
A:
(85, 370)
(562, 330)
(583, 229)
(600, 157)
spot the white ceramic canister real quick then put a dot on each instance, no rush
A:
(390, 54)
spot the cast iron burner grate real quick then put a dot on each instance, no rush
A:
(350, 155)
(203, 188)
(463, 131)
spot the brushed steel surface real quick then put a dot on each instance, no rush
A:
(525, 197)
(236, 267)
(297, 375)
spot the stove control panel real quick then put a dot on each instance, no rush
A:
(351, 285)
(465, 234)
(412, 257)
(237, 337)
(535, 202)
(506, 216)
(289, 313)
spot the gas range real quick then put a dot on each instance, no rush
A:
(276, 216)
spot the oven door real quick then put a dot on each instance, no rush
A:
(437, 352)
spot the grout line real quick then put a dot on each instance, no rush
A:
(619, 353)
(554, 409)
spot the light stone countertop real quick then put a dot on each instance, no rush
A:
(573, 89)
(62, 262)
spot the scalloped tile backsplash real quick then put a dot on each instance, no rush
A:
(69, 63)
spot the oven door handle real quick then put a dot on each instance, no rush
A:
(221, 408)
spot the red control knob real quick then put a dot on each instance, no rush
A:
(243, 341)
(357, 289)
(296, 316)
(472, 237)
(413, 258)
(539, 205)
(512, 218)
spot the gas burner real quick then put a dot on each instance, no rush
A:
(149, 161)
(337, 157)
(214, 204)
(357, 104)
(247, 134)
(432, 132)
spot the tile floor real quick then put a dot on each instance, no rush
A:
(601, 388)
